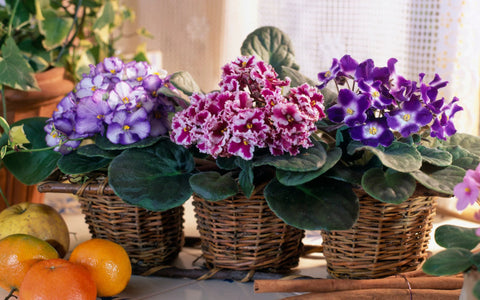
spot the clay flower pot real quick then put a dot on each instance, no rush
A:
(54, 85)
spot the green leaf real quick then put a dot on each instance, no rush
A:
(475, 259)
(155, 178)
(245, 178)
(4, 125)
(296, 178)
(103, 143)
(390, 187)
(213, 186)
(435, 157)
(15, 71)
(74, 163)
(466, 141)
(448, 262)
(476, 290)
(318, 204)
(227, 163)
(272, 46)
(310, 159)
(184, 82)
(296, 77)
(450, 236)
(55, 28)
(32, 167)
(107, 16)
(398, 156)
(93, 150)
(442, 180)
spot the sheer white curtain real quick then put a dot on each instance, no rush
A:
(429, 36)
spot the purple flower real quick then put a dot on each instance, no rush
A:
(409, 117)
(350, 108)
(88, 85)
(91, 114)
(430, 91)
(113, 65)
(127, 128)
(373, 133)
(443, 125)
(327, 76)
(467, 192)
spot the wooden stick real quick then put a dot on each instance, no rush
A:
(377, 294)
(329, 285)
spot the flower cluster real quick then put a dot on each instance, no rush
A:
(249, 112)
(378, 102)
(467, 192)
(116, 99)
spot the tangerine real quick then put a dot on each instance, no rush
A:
(57, 279)
(18, 252)
(107, 261)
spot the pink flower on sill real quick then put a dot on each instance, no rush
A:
(467, 192)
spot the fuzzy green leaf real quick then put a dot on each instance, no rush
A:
(15, 71)
(296, 77)
(103, 143)
(390, 187)
(32, 167)
(74, 163)
(272, 46)
(466, 141)
(398, 156)
(448, 262)
(318, 204)
(245, 178)
(435, 157)
(296, 178)
(213, 186)
(93, 150)
(450, 236)
(442, 180)
(184, 82)
(155, 178)
(310, 159)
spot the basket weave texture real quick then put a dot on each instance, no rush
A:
(244, 234)
(387, 239)
(150, 238)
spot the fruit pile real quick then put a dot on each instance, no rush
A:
(33, 263)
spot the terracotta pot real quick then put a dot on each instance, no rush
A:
(54, 85)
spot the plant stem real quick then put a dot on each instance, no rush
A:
(74, 25)
(7, 204)
(10, 22)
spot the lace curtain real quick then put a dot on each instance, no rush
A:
(429, 36)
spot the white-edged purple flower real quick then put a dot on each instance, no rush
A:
(351, 108)
(373, 133)
(88, 85)
(409, 117)
(128, 127)
(115, 99)
(92, 113)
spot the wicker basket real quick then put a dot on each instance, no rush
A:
(150, 238)
(244, 234)
(387, 239)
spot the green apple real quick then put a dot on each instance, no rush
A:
(39, 220)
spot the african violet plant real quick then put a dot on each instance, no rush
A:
(115, 123)
(382, 133)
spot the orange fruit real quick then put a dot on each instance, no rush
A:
(108, 263)
(18, 252)
(57, 279)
